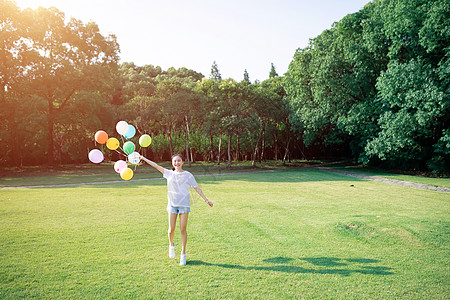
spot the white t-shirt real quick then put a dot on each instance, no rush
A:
(178, 184)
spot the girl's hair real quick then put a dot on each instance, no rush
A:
(175, 155)
(178, 154)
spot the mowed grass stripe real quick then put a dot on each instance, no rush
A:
(284, 234)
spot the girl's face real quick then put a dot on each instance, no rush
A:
(177, 163)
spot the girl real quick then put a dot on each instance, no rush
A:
(178, 183)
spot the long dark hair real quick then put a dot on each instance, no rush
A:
(175, 155)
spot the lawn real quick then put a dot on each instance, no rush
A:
(282, 234)
(69, 174)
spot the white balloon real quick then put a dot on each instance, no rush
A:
(134, 158)
(96, 156)
(122, 127)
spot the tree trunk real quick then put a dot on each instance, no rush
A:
(51, 146)
(187, 141)
(275, 144)
(302, 148)
(220, 145)
(50, 119)
(17, 152)
(255, 151)
(263, 143)
(10, 125)
(229, 151)
(238, 150)
(169, 136)
(251, 143)
(286, 151)
(211, 149)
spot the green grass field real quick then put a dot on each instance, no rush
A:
(282, 234)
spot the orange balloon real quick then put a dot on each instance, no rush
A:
(101, 137)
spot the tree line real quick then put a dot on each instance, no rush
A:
(378, 81)
(374, 86)
(61, 82)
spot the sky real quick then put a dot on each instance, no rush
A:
(238, 34)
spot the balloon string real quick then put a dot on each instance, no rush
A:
(120, 153)
(140, 132)
(120, 148)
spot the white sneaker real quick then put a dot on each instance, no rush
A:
(183, 259)
(172, 251)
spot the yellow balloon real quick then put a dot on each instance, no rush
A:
(126, 174)
(112, 143)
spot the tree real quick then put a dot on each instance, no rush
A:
(246, 76)
(185, 73)
(233, 109)
(225, 110)
(412, 98)
(277, 114)
(56, 76)
(413, 107)
(15, 59)
(177, 102)
(273, 73)
(137, 87)
(378, 80)
(320, 85)
(215, 73)
(73, 58)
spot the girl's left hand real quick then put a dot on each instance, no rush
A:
(209, 203)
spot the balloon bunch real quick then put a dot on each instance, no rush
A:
(126, 131)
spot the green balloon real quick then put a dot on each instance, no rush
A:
(129, 147)
(145, 140)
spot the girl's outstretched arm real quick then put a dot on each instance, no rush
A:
(199, 191)
(153, 164)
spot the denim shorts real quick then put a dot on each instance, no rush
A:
(178, 209)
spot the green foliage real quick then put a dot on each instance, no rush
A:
(60, 81)
(246, 76)
(377, 82)
(215, 73)
(273, 73)
(378, 79)
(411, 105)
(320, 85)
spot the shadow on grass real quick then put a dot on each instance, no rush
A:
(323, 265)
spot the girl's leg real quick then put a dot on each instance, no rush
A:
(183, 226)
(172, 224)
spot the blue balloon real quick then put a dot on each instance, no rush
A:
(131, 132)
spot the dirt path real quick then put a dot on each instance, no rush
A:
(326, 169)
(387, 180)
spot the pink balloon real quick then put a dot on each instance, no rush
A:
(120, 165)
(96, 156)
